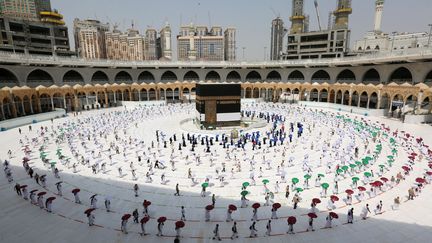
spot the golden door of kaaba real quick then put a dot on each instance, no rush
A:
(210, 112)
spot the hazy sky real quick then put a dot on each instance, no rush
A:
(252, 18)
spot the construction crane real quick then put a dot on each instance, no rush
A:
(317, 13)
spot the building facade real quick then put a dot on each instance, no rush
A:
(165, 43)
(90, 38)
(128, 46)
(199, 43)
(150, 45)
(19, 9)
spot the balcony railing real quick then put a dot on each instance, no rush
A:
(378, 57)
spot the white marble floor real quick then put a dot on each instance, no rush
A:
(21, 221)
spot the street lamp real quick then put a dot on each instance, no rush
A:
(243, 53)
(429, 39)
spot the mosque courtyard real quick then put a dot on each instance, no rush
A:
(335, 162)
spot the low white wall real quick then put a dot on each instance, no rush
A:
(25, 120)
(418, 119)
(344, 108)
(142, 103)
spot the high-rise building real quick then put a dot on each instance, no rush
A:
(150, 45)
(90, 38)
(166, 43)
(277, 34)
(331, 43)
(230, 44)
(19, 9)
(199, 43)
(297, 17)
(42, 6)
(342, 14)
(127, 46)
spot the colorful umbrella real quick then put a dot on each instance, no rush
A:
(232, 207)
(76, 190)
(361, 188)
(244, 193)
(145, 220)
(320, 175)
(88, 211)
(334, 215)
(205, 184)
(355, 179)
(295, 180)
(307, 177)
(352, 166)
(32, 191)
(334, 198)
(345, 168)
(51, 198)
(209, 207)
(367, 174)
(23, 186)
(316, 200)
(429, 173)
(161, 219)
(384, 179)
(256, 205)
(180, 224)
(312, 215)
(298, 189)
(292, 220)
(339, 171)
(325, 185)
(405, 168)
(277, 205)
(349, 191)
(245, 184)
(126, 216)
(420, 180)
(265, 181)
(41, 193)
(146, 203)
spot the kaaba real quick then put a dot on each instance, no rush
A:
(218, 105)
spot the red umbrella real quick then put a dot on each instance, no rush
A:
(25, 159)
(51, 198)
(349, 191)
(180, 224)
(362, 189)
(312, 215)
(405, 168)
(76, 190)
(88, 211)
(256, 205)
(161, 219)
(209, 207)
(429, 173)
(126, 216)
(292, 220)
(23, 186)
(334, 198)
(145, 219)
(276, 205)
(316, 200)
(334, 215)
(411, 157)
(384, 179)
(420, 180)
(414, 154)
(32, 191)
(377, 183)
(146, 203)
(232, 207)
(41, 193)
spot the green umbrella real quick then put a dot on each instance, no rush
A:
(352, 166)
(244, 193)
(394, 151)
(325, 185)
(365, 162)
(320, 175)
(205, 184)
(298, 189)
(339, 171)
(368, 158)
(374, 134)
(355, 179)
(295, 180)
(382, 166)
(265, 181)
(367, 174)
(307, 177)
(245, 184)
(390, 156)
(392, 140)
(358, 163)
(345, 168)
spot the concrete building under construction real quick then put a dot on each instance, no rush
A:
(328, 43)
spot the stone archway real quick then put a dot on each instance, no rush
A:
(355, 99)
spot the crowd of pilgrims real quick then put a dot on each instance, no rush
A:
(104, 141)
